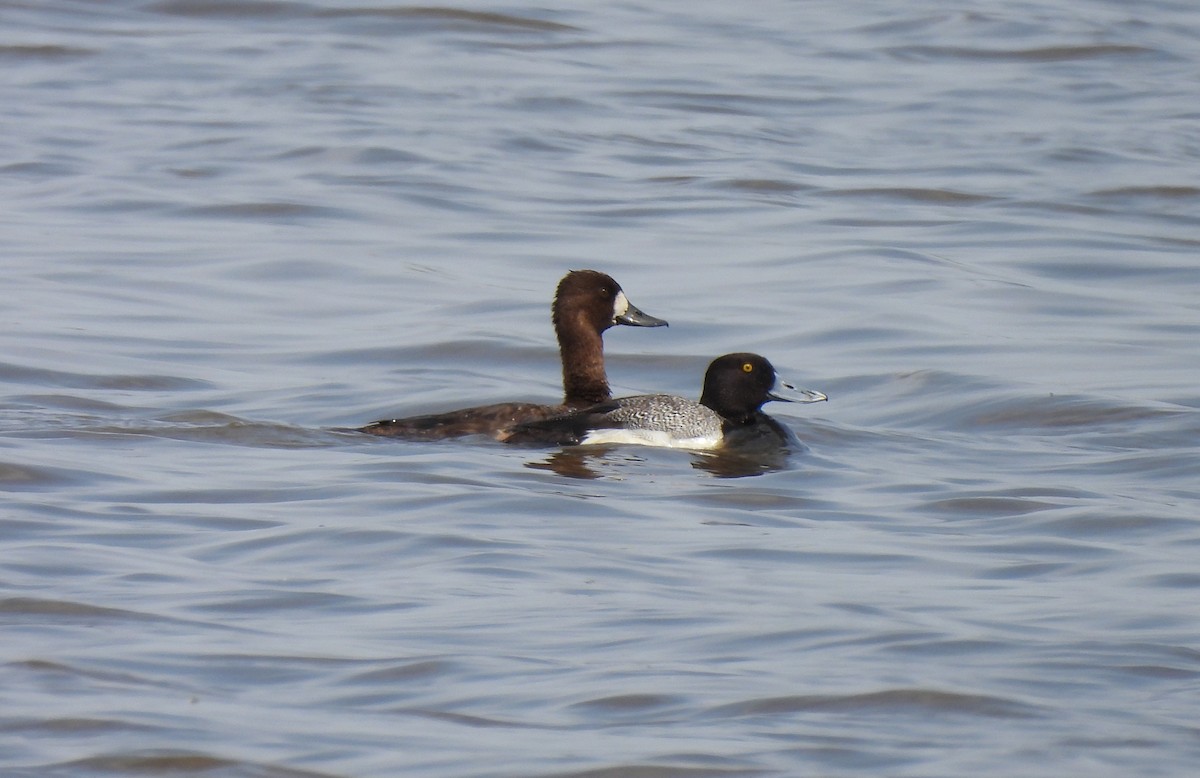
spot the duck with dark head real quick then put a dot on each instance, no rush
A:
(736, 386)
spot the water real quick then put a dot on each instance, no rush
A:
(230, 229)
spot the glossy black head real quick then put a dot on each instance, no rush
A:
(738, 385)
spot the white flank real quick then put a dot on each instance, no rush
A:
(650, 438)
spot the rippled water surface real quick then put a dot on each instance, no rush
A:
(232, 229)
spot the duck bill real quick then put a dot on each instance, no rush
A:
(625, 312)
(636, 318)
(785, 392)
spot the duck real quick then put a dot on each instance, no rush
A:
(736, 386)
(586, 304)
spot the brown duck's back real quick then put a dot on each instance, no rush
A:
(492, 420)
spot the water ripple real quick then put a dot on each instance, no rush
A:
(16, 54)
(173, 762)
(1040, 54)
(916, 701)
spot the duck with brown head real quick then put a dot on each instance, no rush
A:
(586, 304)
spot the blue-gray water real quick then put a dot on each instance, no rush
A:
(229, 228)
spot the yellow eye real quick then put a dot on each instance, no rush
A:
(747, 367)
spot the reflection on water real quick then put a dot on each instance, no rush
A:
(235, 230)
(590, 462)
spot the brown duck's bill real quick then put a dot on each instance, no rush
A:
(635, 317)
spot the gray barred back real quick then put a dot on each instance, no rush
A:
(681, 417)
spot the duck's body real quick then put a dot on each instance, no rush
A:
(736, 386)
(663, 420)
(586, 304)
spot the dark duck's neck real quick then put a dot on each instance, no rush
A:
(582, 350)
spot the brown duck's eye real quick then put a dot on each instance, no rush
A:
(747, 367)
(604, 292)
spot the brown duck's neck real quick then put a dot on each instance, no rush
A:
(582, 353)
